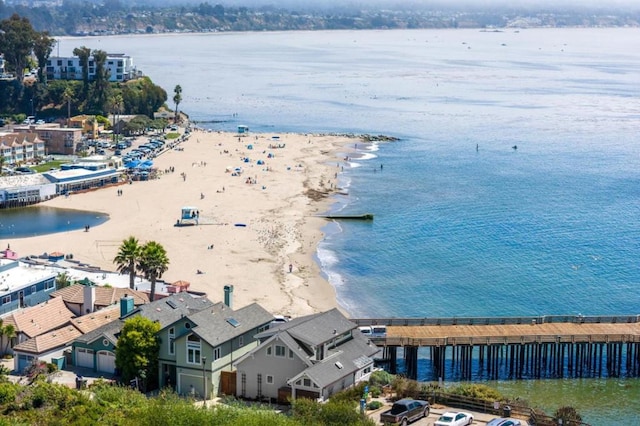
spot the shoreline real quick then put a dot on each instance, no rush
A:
(294, 181)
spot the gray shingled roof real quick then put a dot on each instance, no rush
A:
(165, 311)
(351, 356)
(322, 328)
(313, 329)
(169, 309)
(214, 327)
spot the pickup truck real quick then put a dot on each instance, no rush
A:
(404, 411)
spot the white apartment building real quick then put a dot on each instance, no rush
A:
(119, 65)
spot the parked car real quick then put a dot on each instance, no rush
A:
(503, 421)
(404, 411)
(279, 319)
(454, 419)
(366, 330)
(24, 170)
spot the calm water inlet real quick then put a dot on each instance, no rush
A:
(40, 220)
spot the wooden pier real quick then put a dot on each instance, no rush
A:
(513, 347)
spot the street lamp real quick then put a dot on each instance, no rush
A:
(32, 112)
(204, 378)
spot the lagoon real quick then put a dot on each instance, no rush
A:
(41, 220)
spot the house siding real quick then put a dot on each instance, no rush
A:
(281, 368)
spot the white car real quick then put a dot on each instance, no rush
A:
(454, 419)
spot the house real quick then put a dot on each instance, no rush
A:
(83, 299)
(313, 356)
(21, 147)
(88, 124)
(51, 346)
(198, 349)
(96, 349)
(22, 285)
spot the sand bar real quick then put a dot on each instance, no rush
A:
(277, 201)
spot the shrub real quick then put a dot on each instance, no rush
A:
(380, 378)
(374, 405)
(8, 392)
(375, 391)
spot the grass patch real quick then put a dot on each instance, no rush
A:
(45, 167)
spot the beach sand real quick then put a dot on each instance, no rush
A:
(279, 211)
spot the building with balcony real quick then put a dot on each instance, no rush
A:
(118, 65)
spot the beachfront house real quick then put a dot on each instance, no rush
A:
(54, 345)
(85, 298)
(312, 357)
(96, 349)
(22, 285)
(197, 351)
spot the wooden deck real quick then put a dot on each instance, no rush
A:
(443, 335)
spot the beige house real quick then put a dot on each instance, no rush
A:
(87, 123)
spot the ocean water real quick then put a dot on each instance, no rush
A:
(465, 224)
(40, 220)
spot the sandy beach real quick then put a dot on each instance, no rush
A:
(277, 201)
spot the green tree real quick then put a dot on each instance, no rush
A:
(84, 53)
(17, 38)
(9, 333)
(153, 263)
(62, 280)
(127, 259)
(137, 350)
(116, 105)
(42, 48)
(101, 85)
(177, 98)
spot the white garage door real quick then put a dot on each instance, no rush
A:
(84, 357)
(106, 362)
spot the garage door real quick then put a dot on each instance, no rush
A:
(106, 362)
(24, 361)
(84, 357)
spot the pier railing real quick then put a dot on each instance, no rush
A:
(543, 319)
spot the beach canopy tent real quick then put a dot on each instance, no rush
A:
(146, 164)
(132, 164)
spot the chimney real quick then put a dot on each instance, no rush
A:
(126, 305)
(88, 299)
(228, 295)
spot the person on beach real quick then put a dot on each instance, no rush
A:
(290, 268)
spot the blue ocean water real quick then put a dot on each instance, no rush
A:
(465, 224)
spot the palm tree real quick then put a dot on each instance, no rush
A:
(177, 98)
(9, 332)
(127, 258)
(62, 280)
(153, 263)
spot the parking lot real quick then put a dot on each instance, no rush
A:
(436, 411)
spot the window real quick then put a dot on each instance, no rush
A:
(280, 350)
(33, 289)
(172, 343)
(216, 353)
(240, 341)
(6, 299)
(306, 383)
(291, 353)
(193, 349)
(269, 350)
(243, 386)
(50, 284)
(259, 385)
(269, 379)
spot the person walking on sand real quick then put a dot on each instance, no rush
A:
(290, 268)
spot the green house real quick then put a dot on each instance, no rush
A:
(198, 349)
